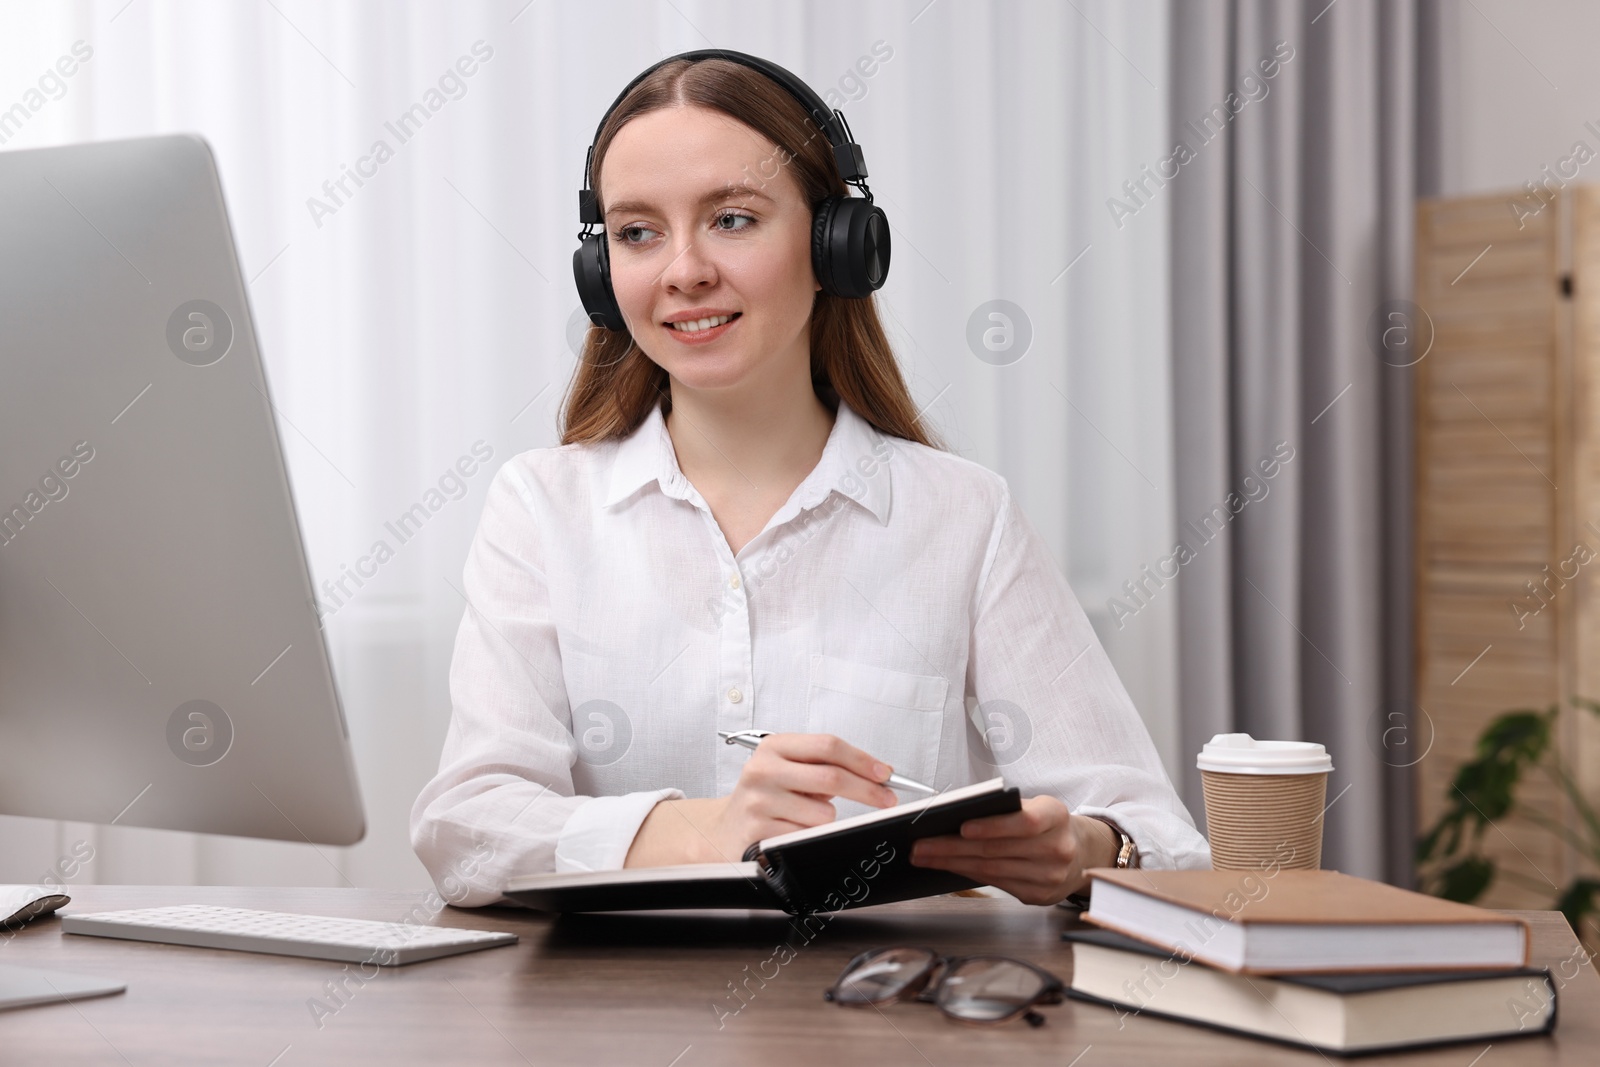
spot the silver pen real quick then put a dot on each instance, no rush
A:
(752, 738)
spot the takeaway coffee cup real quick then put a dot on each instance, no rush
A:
(1264, 801)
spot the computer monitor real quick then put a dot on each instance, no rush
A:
(161, 658)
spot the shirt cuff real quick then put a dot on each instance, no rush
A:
(1182, 847)
(599, 833)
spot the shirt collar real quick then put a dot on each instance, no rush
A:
(855, 462)
(642, 457)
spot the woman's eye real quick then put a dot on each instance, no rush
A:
(622, 234)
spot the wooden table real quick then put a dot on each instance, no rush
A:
(654, 991)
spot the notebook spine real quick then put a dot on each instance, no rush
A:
(772, 872)
(776, 873)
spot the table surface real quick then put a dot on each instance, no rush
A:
(651, 990)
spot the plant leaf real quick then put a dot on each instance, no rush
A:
(1486, 786)
(1444, 839)
(1465, 881)
(1517, 736)
(1579, 901)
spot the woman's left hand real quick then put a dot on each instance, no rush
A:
(1038, 854)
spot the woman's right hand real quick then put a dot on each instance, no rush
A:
(787, 784)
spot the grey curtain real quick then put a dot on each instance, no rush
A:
(1292, 227)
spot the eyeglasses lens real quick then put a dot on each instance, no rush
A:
(988, 990)
(882, 976)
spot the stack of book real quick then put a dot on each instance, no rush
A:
(1312, 958)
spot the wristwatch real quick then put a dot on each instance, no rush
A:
(1127, 856)
(1127, 852)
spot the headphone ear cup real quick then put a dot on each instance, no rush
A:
(591, 270)
(821, 226)
(850, 246)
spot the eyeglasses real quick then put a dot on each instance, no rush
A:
(974, 989)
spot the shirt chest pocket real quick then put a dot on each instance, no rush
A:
(893, 715)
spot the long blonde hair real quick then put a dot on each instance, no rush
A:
(616, 385)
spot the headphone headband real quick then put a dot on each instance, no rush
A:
(847, 154)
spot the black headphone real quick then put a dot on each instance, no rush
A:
(849, 235)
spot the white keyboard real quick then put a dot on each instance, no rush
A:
(244, 930)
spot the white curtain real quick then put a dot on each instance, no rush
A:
(428, 308)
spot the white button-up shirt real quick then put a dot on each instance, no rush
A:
(899, 599)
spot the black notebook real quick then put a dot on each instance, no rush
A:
(852, 863)
(1346, 1014)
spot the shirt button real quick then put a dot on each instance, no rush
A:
(735, 696)
(733, 583)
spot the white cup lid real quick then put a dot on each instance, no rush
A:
(1243, 754)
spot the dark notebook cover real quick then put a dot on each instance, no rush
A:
(855, 866)
(853, 863)
(1342, 984)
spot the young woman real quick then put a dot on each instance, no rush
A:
(747, 527)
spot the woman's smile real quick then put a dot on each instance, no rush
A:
(703, 330)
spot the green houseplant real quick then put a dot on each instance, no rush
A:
(1450, 859)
